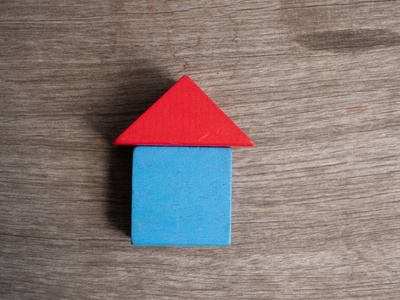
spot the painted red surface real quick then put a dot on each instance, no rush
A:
(184, 116)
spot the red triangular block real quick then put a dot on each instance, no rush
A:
(184, 116)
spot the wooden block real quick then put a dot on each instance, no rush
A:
(181, 196)
(184, 116)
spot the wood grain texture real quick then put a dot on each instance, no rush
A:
(316, 204)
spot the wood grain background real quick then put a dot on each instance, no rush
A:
(316, 204)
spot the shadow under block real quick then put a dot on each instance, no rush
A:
(181, 196)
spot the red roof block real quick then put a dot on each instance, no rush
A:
(184, 116)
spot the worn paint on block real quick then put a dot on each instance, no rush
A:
(181, 196)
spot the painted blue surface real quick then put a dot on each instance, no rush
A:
(181, 196)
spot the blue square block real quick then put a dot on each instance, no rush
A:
(181, 196)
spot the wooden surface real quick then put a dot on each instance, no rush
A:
(316, 204)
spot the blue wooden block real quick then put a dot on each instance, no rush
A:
(181, 196)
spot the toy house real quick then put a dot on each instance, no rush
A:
(182, 170)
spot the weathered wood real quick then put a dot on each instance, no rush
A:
(315, 84)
